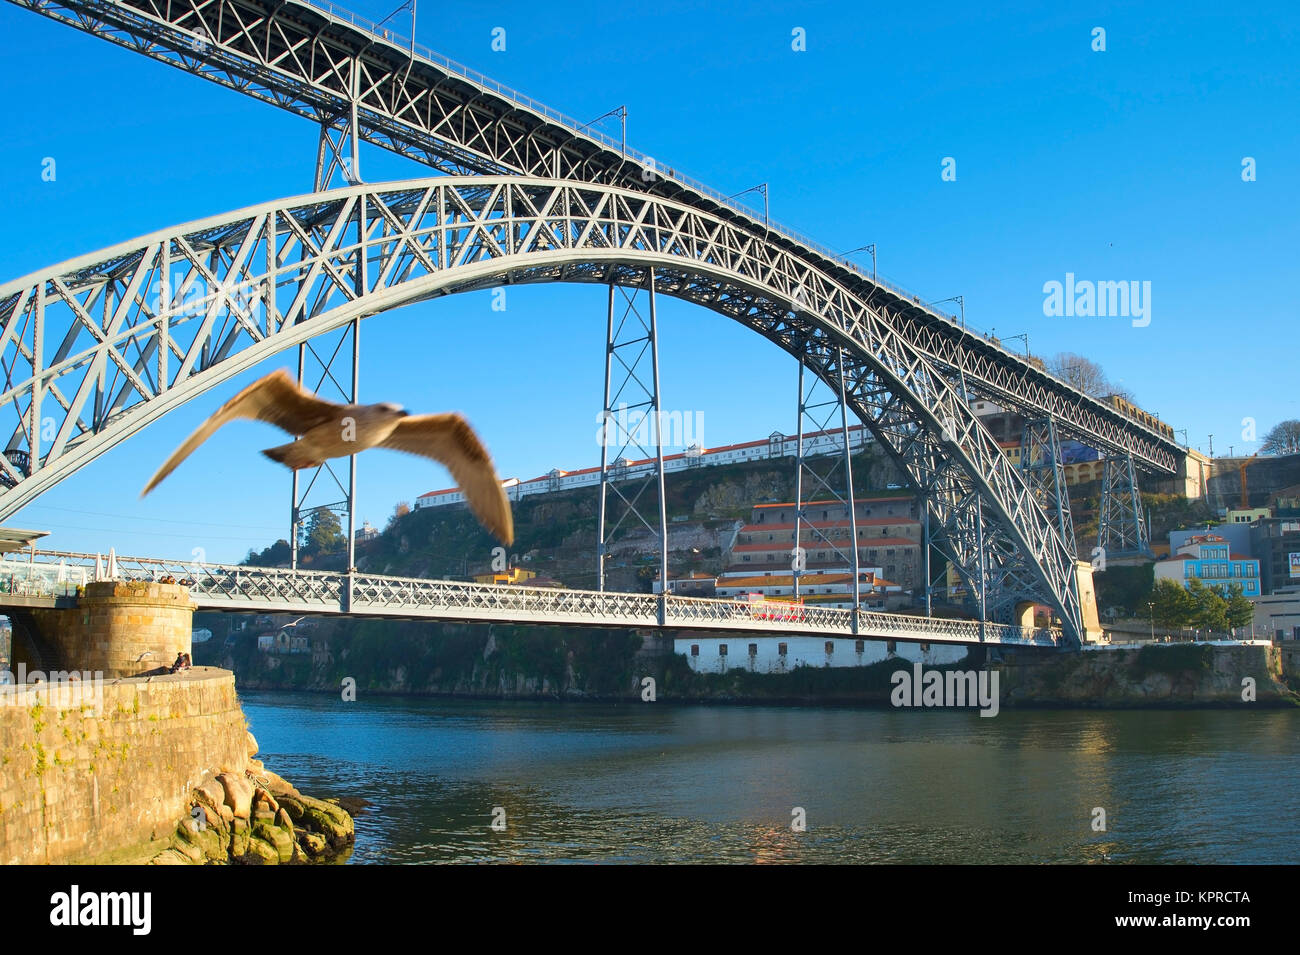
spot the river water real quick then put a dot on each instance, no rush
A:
(656, 782)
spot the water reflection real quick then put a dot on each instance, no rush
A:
(643, 783)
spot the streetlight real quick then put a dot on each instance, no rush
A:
(621, 113)
(961, 302)
(760, 188)
(866, 248)
(1151, 608)
(1024, 337)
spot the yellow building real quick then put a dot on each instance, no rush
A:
(515, 575)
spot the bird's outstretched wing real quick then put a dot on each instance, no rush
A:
(276, 399)
(449, 440)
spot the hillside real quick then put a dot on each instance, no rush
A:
(555, 534)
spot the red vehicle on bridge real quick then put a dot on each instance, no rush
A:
(762, 607)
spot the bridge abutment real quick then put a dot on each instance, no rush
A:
(122, 628)
(1092, 631)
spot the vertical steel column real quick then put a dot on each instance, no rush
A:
(335, 160)
(828, 415)
(659, 459)
(796, 564)
(984, 580)
(604, 446)
(631, 341)
(848, 478)
(1121, 530)
(294, 516)
(352, 458)
(1040, 463)
(925, 555)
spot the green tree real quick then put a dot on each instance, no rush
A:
(1211, 609)
(1240, 610)
(324, 533)
(277, 555)
(1169, 605)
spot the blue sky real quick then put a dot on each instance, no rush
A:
(1116, 165)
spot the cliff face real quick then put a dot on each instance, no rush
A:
(555, 534)
(1158, 675)
(498, 662)
(444, 659)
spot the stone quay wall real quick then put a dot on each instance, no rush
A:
(104, 774)
(121, 628)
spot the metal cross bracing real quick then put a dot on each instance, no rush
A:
(323, 63)
(30, 581)
(325, 366)
(631, 422)
(1121, 527)
(1040, 459)
(125, 354)
(334, 377)
(820, 411)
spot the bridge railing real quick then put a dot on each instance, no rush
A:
(537, 603)
(21, 576)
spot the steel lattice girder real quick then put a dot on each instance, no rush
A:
(134, 343)
(319, 65)
(1121, 529)
(238, 589)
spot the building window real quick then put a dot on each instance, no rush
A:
(780, 649)
(695, 649)
(753, 649)
(722, 649)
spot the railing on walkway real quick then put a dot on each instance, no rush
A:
(230, 587)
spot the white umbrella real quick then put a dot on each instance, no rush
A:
(112, 564)
(99, 568)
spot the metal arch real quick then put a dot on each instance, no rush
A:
(322, 62)
(298, 264)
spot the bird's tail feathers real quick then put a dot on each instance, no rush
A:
(292, 455)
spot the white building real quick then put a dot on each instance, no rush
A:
(776, 445)
(1277, 615)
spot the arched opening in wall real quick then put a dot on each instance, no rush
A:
(29, 652)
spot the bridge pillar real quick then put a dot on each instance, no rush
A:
(1087, 591)
(122, 628)
(1121, 528)
(821, 415)
(632, 379)
(1024, 615)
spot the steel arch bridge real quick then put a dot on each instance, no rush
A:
(96, 348)
(106, 343)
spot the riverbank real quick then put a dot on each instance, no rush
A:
(535, 663)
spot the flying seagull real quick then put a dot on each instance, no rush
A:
(328, 430)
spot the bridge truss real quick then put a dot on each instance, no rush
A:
(100, 346)
(360, 82)
(146, 325)
(41, 579)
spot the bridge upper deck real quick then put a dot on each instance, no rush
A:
(323, 62)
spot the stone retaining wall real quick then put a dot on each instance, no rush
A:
(122, 628)
(106, 780)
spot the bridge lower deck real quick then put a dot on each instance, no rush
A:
(50, 578)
